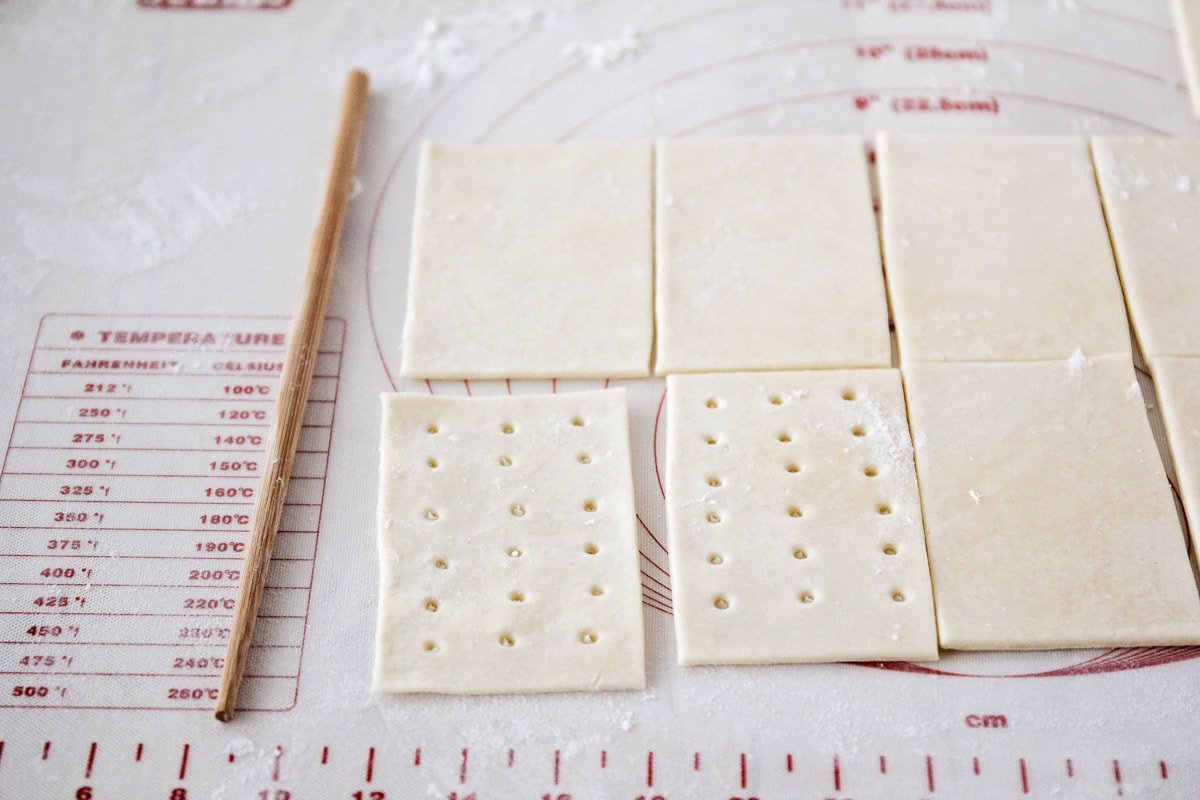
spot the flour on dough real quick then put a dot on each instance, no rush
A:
(1151, 190)
(507, 550)
(767, 256)
(531, 262)
(1074, 541)
(794, 519)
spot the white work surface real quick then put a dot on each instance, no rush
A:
(161, 171)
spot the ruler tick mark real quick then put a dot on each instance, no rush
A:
(183, 761)
(1117, 778)
(371, 762)
(45, 751)
(1024, 776)
(837, 774)
(91, 759)
(462, 768)
(696, 762)
(231, 758)
(743, 770)
(557, 757)
(511, 755)
(275, 764)
(417, 758)
(975, 764)
(1070, 769)
(650, 769)
(789, 762)
(929, 771)
(1162, 765)
(137, 756)
(603, 759)
(324, 755)
(883, 765)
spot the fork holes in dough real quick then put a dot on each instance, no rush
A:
(883, 509)
(793, 468)
(431, 515)
(584, 458)
(799, 554)
(517, 510)
(516, 597)
(596, 591)
(432, 463)
(591, 549)
(506, 640)
(889, 549)
(713, 517)
(784, 437)
(431, 605)
(578, 422)
(858, 430)
(430, 646)
(514, 552)
(431, 429)
(848, 394)
(871, 471)
(720, 603)
(714, 481)
(716, 560)
(507, 427)
(795, 512)
(590, 506)
(710, 440)
(898, 596)
(505, 461)
(776, 400)
(587, 637)
(440, 563)
(805, 597)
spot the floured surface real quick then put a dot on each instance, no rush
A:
(794, 520)
(1048, 518)
(767, 256)
(1177, 382)
(996, 249)
(531, 262)
(1151, 190)
(507, 550)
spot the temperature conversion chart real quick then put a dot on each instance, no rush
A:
(125, 494)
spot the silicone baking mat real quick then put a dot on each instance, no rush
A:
(162, 163)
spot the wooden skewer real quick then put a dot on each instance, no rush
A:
(298, 365)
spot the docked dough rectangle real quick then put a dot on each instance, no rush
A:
(767, 256)
(995, 249)
(794, 520)
(1177, 382)
(508, 554)
(1151, 190)
(531, 262)
(1048, 518)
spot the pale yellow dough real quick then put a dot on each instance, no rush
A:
(794, 520)
(508, 554)
(1177, 382)
(1049, 521)
(531, 262)
(1151, 190)
(767, 256)
(996, 249)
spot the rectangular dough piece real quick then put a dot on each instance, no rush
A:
(1049, 521)
(1187, 27)
(767, 256)
(794, 520)
(1151, 190)
(1177, 382)
(531, 262)
(508, 557)
(995, 249)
